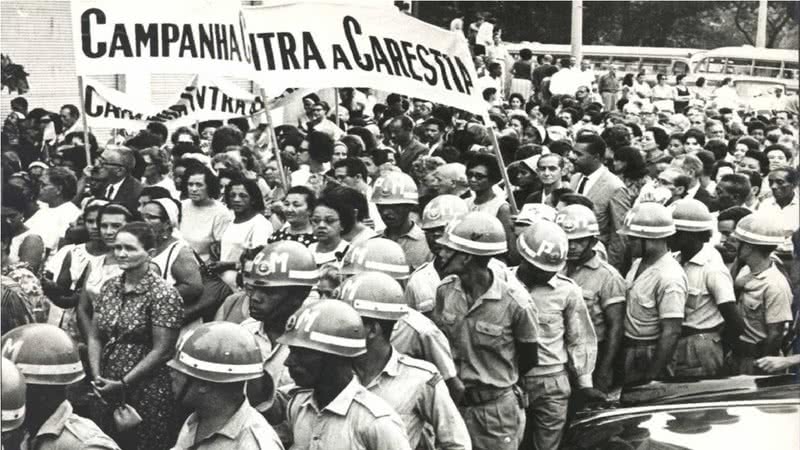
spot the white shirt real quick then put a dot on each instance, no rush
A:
(592, 179)
(52, 223)
(564, 82)
(789, 217)
(485, 34)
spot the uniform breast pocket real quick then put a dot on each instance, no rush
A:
(488, 334)
(753, 308)
(694, 298)
(551, 324)
(643, 306)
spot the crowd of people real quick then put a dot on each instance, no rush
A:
(374, 282)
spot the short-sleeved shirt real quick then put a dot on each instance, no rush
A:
(483, 337)
(601, 286)
(659, 292)
(421, 287)
(418, 337)
(204, 225)
(274, 356)
(414, 246)
(246, 428)
(67, 430)
(566, 332)
(415, 390)
(710, 285)
(763, 298)
(355, 420)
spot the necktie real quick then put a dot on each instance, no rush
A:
(110, 194)
(582, 184)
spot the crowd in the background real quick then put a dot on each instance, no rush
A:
(648, 232)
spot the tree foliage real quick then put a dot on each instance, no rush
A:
(690, 24)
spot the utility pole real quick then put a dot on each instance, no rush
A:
(577, 29)
(761, 29)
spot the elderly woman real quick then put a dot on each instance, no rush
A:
(131, 337)
(157, 169)
(423, 171)
(248, 229)
(173, 258)
(204, 217)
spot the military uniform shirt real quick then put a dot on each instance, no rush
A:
(710, 284)
(65, 430)
(273, 355)
(601, 286)
(484, 336)
(419, 396)
(566, 333)
(658, 293)
(764, 298)
(246, 429)
(415, 247)
(418, 337)
(355, 420)
(421, 288)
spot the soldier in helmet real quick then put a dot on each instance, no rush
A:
(277, 282)
(331, 409)
(210, 368)
(13, 404)
(657, 290)
(491, 324)
(414, 388)
(414, 334)
(764, 299)
(567, 342)
(602, 287)
(48, 359)
(711, 302)
(395, 195)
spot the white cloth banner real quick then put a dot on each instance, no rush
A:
(303, 44)
(160, 36)
(327, 44)
(203, 98)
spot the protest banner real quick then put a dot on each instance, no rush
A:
(176, 36)
(329, 44)
(203, 98)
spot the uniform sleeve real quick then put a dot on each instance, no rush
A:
(778, 300)
(437, 351)
(580, 338)
(437, 408)
(720, 285)
(671, 298)
(167, 309)
(386, 433)
(613, 289)
(525, 323)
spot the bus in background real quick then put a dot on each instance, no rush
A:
(750, 69)
(651, 60)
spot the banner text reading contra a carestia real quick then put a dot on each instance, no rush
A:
(304, 44)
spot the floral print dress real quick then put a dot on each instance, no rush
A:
(126, 321)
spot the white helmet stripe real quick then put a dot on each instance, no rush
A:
(324, 338)
(208, 366)
(50, 369)
(490, 246)
(652, 229)
(380, 307)
(386, 267)
(694, 224)
(761, 238)
(304, 274)
(13, 414)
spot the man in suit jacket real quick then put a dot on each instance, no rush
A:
(692, 167)
(123, 188)
(408, 148)
(611, 198)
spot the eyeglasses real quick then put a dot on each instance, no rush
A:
(477, 175)
(104, 162)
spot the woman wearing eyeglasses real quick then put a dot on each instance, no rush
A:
(330, 221)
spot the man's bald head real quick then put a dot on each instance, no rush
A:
(452, 178)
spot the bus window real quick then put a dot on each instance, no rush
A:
(790, 70)
(711, 65)
(680, 67)
(655, 65)
(771, 69)
(739, 66)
